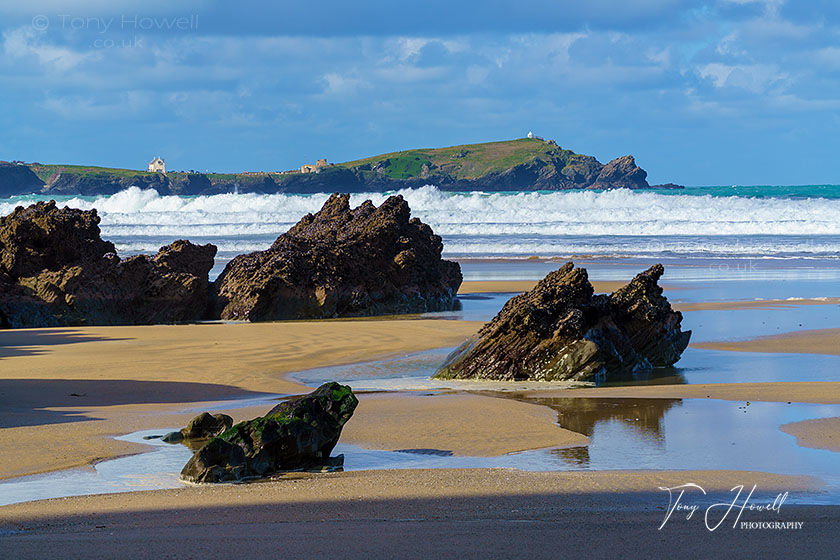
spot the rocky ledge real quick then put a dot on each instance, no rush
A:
(296, 434)
(561, 330)
(55, 270)
(342, 262)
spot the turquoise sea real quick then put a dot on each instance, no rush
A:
(696, 223)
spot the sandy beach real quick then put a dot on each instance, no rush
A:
(518, 286)
(413, 513)
(821, 433)
(81, 386)
(822, 341)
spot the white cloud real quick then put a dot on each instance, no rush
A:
(27, 43)
(771, 7)
(339, 84)
(102, 7)
(84, 107)
(756, 78)
(659, 57)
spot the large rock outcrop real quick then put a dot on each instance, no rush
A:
(341, 262)
(621, 173)
(296, 434)
(561, 330)
(55, 270)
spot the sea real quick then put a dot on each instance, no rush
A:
(709, 223)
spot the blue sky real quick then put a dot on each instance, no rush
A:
(711, 92)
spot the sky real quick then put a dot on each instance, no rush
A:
(714, 92)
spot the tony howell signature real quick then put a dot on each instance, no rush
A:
(724, 509)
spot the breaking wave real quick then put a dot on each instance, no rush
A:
(618, 222)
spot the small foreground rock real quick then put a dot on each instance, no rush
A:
(297, 434)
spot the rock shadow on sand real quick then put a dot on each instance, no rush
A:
(27, 342)
(25, 402)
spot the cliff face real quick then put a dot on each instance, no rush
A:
(18, 179)
(524, 164)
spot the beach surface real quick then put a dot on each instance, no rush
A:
(67, 392)
(820, 433)
(519, 286)
(468, 513)
(821, 341)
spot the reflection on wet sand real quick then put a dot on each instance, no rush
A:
(582, 415)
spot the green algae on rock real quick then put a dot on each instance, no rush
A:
(299, 433)
(202, 427)
(561, 330)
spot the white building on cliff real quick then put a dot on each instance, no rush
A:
(157, 165)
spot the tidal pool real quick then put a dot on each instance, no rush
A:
(626, 434)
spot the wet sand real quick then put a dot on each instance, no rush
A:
(462, 424)
(754, 304)
(473, 513)
(827, 392)
(822, 341)
(518, 286)
(821, 433)
(65, 392)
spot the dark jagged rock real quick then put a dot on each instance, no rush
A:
(297, 434)
(203, 426)
(561, 330)
(43, 237)
(341, 262)
(621, 173)
(55, 270)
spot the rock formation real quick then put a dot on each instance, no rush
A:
(203, 426)
(55, 270)
(297, 434)
(561, 330)
(621, 173)
(341, 262)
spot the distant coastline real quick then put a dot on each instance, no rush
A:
(525, 164)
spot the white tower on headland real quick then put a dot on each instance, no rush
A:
(530, 135)
(157, 165)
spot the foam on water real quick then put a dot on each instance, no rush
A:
(606, 223)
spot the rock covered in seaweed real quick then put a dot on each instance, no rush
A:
(297, 434)
(561, 330)
(55, 270)
(342, 262)
(203, 426)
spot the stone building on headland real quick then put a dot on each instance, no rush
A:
(319, 165)
(157, 165)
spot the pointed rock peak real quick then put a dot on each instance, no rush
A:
(645, 283)
(397, 206)
(567, 279)
(337, 204)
